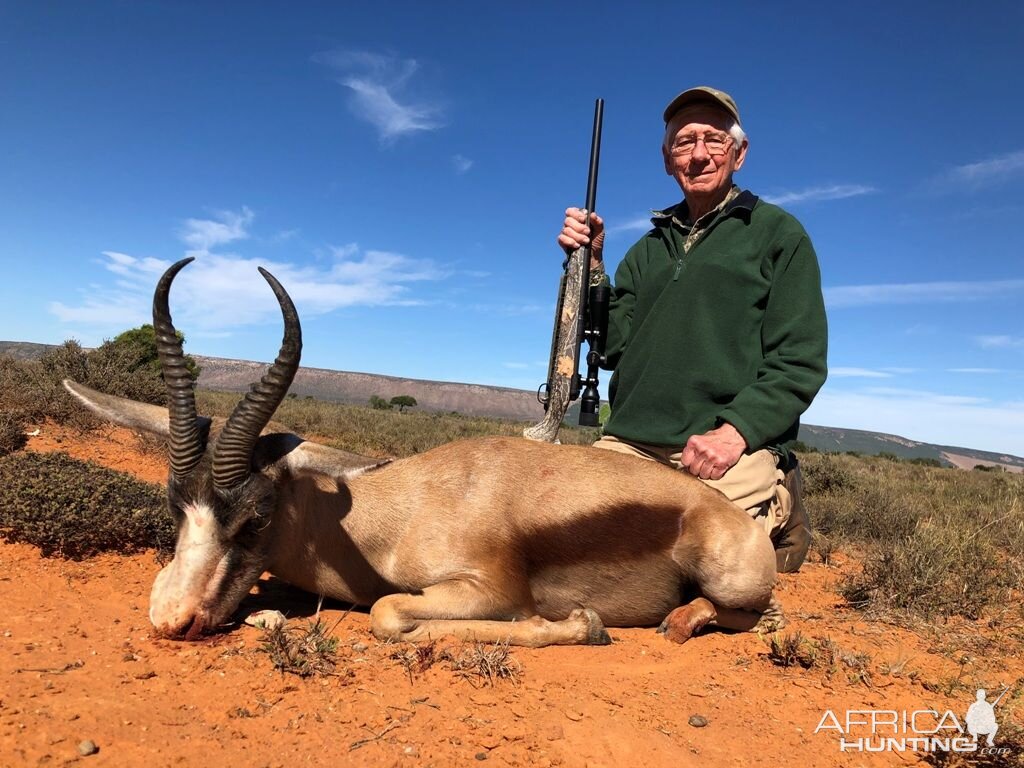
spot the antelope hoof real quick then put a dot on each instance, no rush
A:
(595, 632)
(687, 620)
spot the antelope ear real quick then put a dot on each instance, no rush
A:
(299, 456)
(127, 413)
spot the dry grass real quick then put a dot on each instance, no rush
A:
(371, 432)
(479, 664)
(792, 649)
(935, 542)
(310, 651)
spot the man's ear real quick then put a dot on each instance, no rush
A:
(741, 155)
(666, 159)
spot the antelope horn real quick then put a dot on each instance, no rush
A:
(233, 453)
(186, 445)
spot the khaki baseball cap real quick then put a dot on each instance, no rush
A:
(705, 94)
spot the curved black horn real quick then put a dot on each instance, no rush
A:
(232, 456)
(186, 446)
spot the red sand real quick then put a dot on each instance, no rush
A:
(79, 660)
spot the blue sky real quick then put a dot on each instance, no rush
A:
(403, 167)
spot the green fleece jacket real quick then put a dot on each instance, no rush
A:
(732, 331)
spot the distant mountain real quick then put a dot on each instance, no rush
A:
(502, 402)
(345, 387)
(874, 443)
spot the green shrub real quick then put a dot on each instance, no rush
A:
(127, 366)
(76, 509)
(824, 473)
(12, 432)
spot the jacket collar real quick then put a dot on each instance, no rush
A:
(744, 201)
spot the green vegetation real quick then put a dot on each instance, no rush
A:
(380, 432)
(934, 542)
(76, 509)
(403, 402)
(127, 366)
(306, 652)
(12, 433)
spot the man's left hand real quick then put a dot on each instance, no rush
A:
(711, 455)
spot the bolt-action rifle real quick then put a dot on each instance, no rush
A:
(581, 312)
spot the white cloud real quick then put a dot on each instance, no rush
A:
(919, 293)
(975, 370)
(999, 342)
(462, 164)
(815, 194)
(378, 83)
(985, 172)
(859, 372)
(203, 234)
(219, 292)
(964, 421)
(639, 223)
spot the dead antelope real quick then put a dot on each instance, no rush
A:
(487, 539)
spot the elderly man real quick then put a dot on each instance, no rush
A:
(717, 332)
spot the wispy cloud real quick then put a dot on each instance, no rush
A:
(201, 235)
(222, 291)
(1000, 342)
(816, 194)
(999, 168)
(866, 373)
(975, 370)
(639, 223)
(461, 163)
(380, 92)
(920, 293)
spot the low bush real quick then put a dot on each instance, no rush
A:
(12, 432)
(76, 509)
(127, 366)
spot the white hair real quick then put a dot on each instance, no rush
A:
(735, 131)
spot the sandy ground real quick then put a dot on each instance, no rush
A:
(79, 661)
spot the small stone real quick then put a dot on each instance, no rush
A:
(480, 755)
(573, 715)
(87, 747)
(359, 647)
(697, 721)
(266, 619)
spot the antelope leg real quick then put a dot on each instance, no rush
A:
(460, 609)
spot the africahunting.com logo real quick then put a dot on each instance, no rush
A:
(924, 730)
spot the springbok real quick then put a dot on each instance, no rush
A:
(487, 539)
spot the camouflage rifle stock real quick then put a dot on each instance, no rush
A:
(573, 323)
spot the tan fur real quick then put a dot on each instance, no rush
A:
(472, 535)
(497, 539)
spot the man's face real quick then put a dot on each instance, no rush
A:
(694, 140)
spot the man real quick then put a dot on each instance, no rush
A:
(717, 331)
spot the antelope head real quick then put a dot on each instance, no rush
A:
(221, 501)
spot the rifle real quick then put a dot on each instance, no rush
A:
(581, 312)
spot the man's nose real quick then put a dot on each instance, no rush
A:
(700, 152)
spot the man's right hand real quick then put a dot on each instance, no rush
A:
(575, 234)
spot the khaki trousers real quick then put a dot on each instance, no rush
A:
(754, 483)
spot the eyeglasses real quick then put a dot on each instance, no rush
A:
(714, 143)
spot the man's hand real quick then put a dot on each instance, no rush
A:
(575, 234)
(711, 455)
